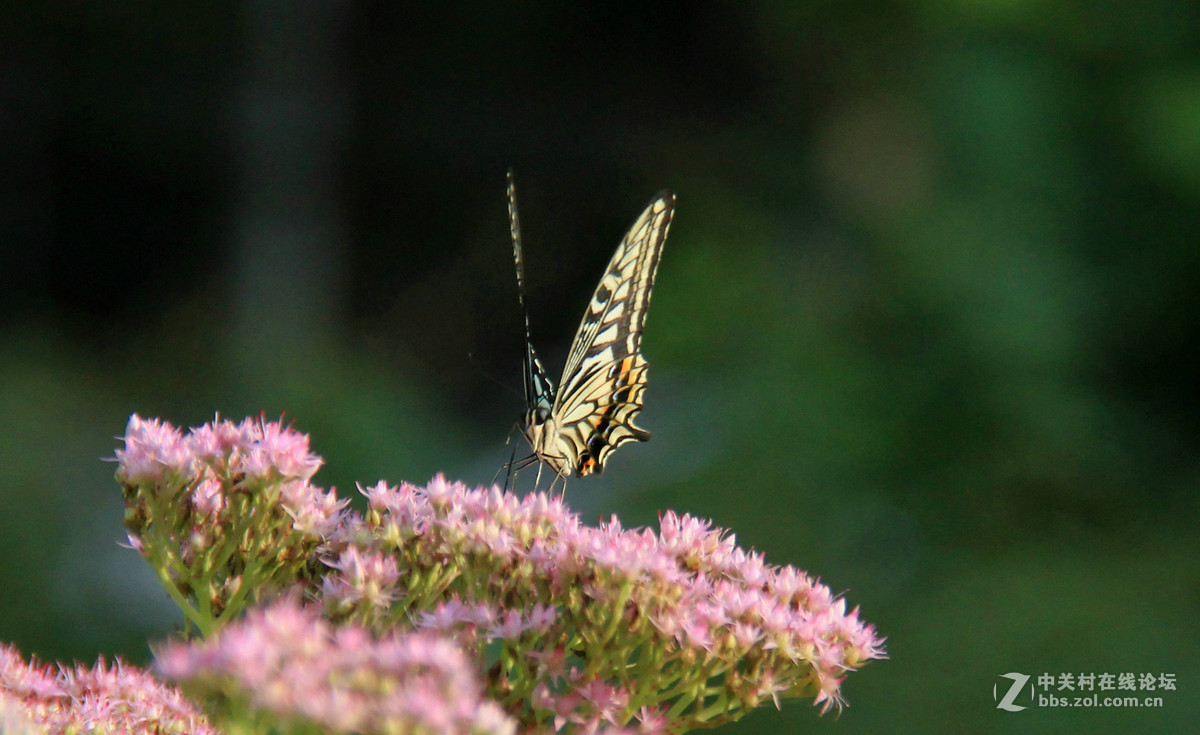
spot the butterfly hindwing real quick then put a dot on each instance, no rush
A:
(600, 416)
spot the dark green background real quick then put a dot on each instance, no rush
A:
(926, 325)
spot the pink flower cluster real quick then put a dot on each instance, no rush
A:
(568, 626)
(292, 666)
(156, 451)
(116, 698)
(623, 624)
(225, 512)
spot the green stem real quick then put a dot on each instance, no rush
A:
(618, 612)
(159, 542)
(189, 611)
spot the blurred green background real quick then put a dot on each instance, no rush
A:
(926, 325)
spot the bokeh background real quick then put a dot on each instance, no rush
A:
(926, 325)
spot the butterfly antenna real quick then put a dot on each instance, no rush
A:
(514, 226)
(539, 393)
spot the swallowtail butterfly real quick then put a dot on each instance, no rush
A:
(575, 429)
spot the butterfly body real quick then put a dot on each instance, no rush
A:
(575, 429)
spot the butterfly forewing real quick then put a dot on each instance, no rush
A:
(600, 393)
(617, 312)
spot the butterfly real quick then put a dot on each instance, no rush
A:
(574, 431)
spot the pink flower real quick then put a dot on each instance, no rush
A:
(314, 512)
(383, 498)
(288, 661)
(452, 613)
(607, 700)
(366, 577)
(693, 539)
(214, 441)
(653, 720)
(512, 623)
(104, 698)
(27, 679)
(153, 450)
(269, 449)
(208, 497)
(746, 635)
(441, 493)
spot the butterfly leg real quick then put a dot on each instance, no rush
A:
(515, 466)
(562, 493)
(508, 469)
